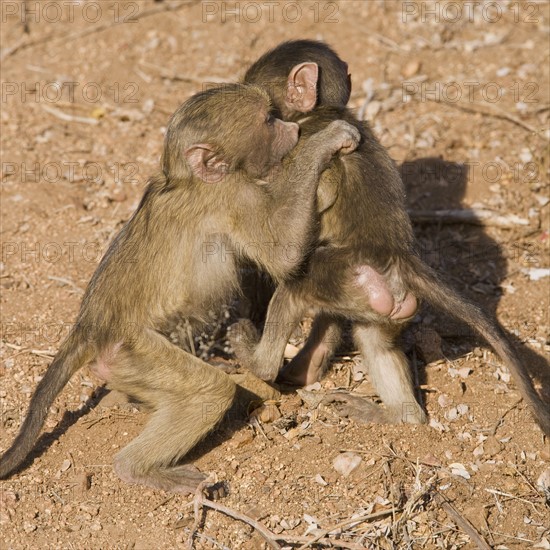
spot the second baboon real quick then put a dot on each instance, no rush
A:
(223, 186)
(365, 267)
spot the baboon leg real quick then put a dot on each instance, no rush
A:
(188, 396)
(389, 372)
(313, 359)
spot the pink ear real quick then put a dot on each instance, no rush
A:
(205, 163)
(301, 94)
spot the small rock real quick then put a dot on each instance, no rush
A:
(312, 400)
(292, 433)
(436, 425)
(66, 465)
(291, 351)
(118, 195)
(431, 460)
(345, 463)
(452, 414)
(148, 106)
(29, 527)
(289, 524)
(503, 71)
(459, 469)
(319, 479)
(544, 543)
(479, 450)
(84, 481)
(256, 512)
(267, 412)
(241, 439)
(411, 68)
(444, 400)
(90, 508)
(112, 399)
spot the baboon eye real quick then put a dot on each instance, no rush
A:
(270, 119)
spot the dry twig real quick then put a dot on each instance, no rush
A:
(513, 497)
(473, 216)
(498, 423)
(268, 536)
(463, 523)
(69, 118)
(21, 349)
(496, 113)
(358, 519)
(66, 282)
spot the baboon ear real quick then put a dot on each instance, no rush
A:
(301, 90)
(205, 163)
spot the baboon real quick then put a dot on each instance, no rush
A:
(365, 267)
(222, 186)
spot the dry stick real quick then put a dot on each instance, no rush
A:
(197, 503)
(66, 282)
(498, 423)
(21, 349)
(69, 118)
(513, 497)
(268, 536)
(22, 45)
(359, 519)
(163, 73)
(497, 113)
(463, 523)
(474, 216)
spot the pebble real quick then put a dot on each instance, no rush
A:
(319, 479)
(241, 439)
(345, 463)
(411, 68)
(29, 527)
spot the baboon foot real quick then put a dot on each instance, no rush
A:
(182, 479)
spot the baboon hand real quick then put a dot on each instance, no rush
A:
(344, 136)
(244, 337)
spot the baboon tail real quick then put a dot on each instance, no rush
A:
(72, 355)
(424, 281)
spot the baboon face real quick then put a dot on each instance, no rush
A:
(268, 143)
(250, 140)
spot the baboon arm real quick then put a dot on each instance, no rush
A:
(282, 228)
(265, 358)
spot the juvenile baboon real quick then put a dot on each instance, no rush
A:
(223, 186)
(365, 267)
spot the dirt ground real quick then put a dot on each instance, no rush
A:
(459, 94)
